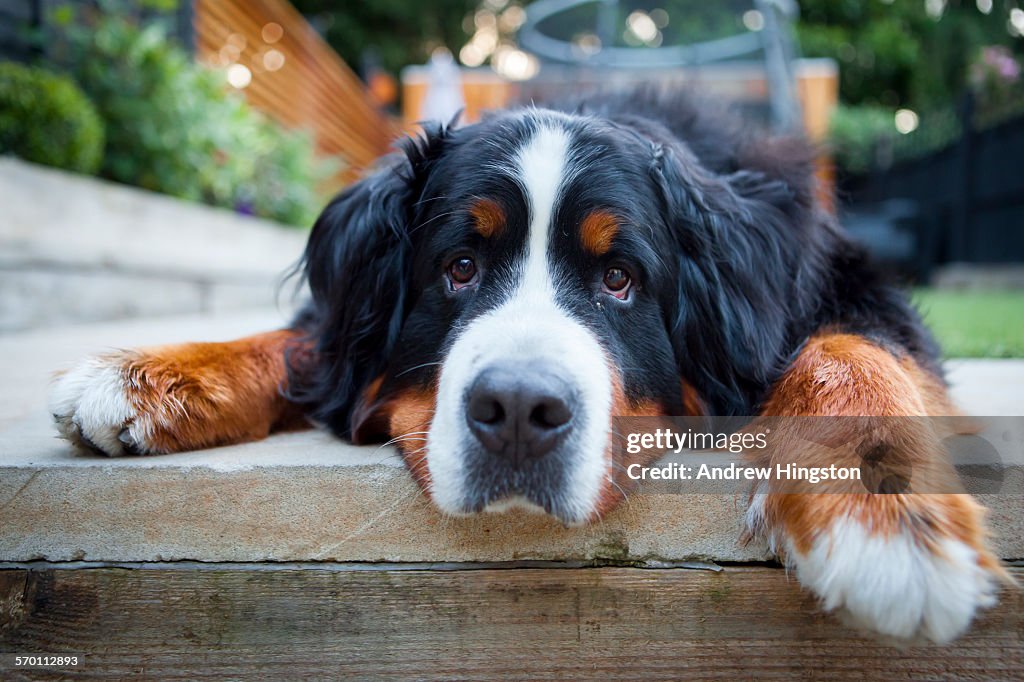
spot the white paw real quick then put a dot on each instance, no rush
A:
(91, 408)
(895, 585)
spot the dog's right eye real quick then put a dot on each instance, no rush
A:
(462, 272)
(617, 283)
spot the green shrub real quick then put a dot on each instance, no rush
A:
(174, 128)
(863, 138)
(46, 119)
(856, 133)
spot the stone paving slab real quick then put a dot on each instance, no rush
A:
(309, 497)
(97, 223)
(80, 249)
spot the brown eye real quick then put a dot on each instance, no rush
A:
(616, 282)
(462, 272)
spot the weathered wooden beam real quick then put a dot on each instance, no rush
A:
(570, 623)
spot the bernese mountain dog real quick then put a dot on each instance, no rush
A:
(492, 295)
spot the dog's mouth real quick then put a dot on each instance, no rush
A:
(541, 501)
(548, 487)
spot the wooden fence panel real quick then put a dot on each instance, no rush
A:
(970, 195)
(296, 78)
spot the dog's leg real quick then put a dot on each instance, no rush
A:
(909, 566)
(174, 398)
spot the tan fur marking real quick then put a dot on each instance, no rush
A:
(612, 494)
(200, 395)
(693, 404)
(597, 232)
(488, 217)
(410, 414)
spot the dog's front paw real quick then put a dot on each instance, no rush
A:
(93, 408)
(895, 585)
(918, 575)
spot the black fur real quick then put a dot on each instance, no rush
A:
(357, 264)
(737, 261)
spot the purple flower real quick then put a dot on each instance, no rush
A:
(996, 67)
(1009, 69)
(245, 207)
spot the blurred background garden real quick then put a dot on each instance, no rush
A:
(264, 108)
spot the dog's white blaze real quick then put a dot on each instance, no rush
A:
(530, 326)
(541, 167)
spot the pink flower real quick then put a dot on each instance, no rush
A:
(996, 65)
(1009, 69)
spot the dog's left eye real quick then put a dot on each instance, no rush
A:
(461, 272)
(617, 283)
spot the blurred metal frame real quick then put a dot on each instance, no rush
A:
(774, 41)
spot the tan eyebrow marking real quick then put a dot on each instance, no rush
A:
(597, 231)
(488, 217)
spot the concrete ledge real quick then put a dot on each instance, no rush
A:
(308, 497)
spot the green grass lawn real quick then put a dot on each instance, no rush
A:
(975, 324)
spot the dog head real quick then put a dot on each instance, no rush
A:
(494, 296)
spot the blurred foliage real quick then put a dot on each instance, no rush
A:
(173, 127)
(45, 118)
(395, 32)
(891, 52)
(895, 54)
(995, 76)
(856, 134)
(864, 137)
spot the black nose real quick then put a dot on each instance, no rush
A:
(519, 412)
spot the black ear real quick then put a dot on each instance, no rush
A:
(357, 263)
(737, 262)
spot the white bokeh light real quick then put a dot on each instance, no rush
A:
(906, 121)
(239, 76)
(753, 20)
(273, 60)
(514, 64)
(1017, 19)
(642, 26)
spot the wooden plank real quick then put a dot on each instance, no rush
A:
(610, 623)
(314, 89)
